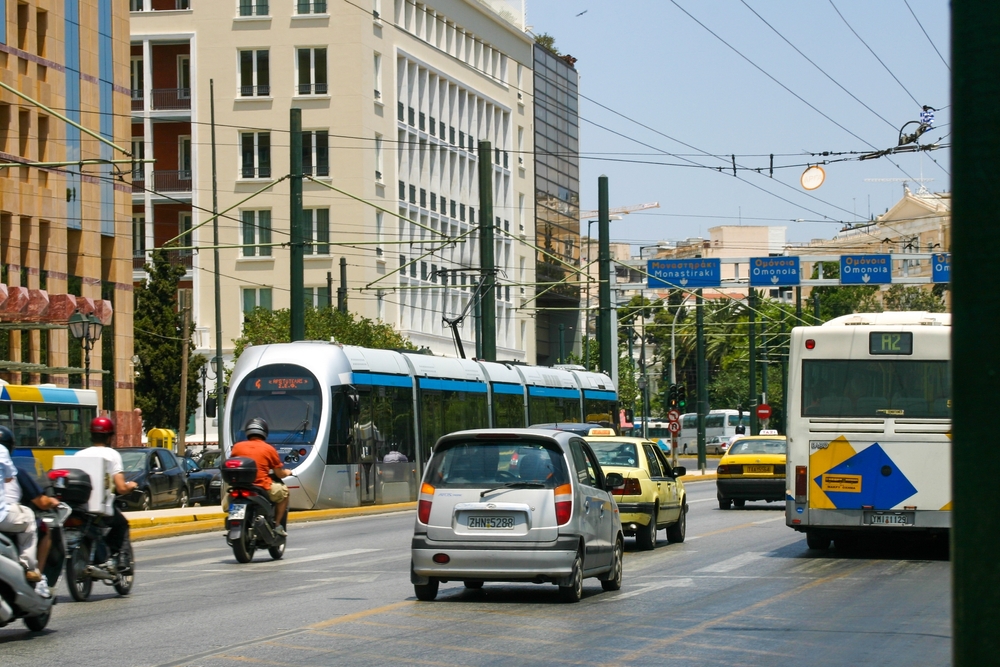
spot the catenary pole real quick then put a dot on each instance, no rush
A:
(702, 377)
(607, 342)
(220, 386)
(752, 299)
(297, 308)
(488, 294)
(342, 290)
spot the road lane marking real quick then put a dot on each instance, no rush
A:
(733, 563)
(316, 557)
(777, 518)
(314, 583)
(685, 582)
(732, 528)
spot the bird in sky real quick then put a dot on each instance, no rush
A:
(583, 12)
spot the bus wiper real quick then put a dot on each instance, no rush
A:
(514, 485)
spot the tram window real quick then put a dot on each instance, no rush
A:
(508, 411)
(339, 449)
(599, 410)
(550, 409)
(287, 396)
(384, 421)
(446, 411)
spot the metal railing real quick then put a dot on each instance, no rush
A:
(312, 89)
(172, 181)
(138, 103)
(165, 99)
(138, 182)
(254, 8)
(176, 257)
(255, 91)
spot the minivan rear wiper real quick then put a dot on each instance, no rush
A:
(514, 485)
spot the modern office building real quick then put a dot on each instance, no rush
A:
(395, 97)
(64, 229)
(557, 204)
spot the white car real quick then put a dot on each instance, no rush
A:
(717, 444)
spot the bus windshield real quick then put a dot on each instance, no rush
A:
(863, 388)
(287, 396)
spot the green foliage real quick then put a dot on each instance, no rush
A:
(846, 299)
(548, 41)
(912, 297)
(628, 388)
(158, 346)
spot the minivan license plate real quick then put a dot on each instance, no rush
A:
(237, 512)
(885, 519)
(491, 522)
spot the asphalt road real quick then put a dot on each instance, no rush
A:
(742, 590)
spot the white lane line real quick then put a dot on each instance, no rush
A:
(316, 557)
(777, 518)
(733, 563)
(356, 579)
(703, 500)
(674, 583)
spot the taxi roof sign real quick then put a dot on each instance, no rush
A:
(601, 431)
(768, 431)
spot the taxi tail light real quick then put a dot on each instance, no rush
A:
(730, 469)
(564, 504)
(424, 504)
(630, 488)
(800, 484)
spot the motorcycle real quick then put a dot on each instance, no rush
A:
(250, 523)
(18, 598)
(84, 532)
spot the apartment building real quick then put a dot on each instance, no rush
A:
(64, 229)
(395, 97)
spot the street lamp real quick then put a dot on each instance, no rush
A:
(86, 329)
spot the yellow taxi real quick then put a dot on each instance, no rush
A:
(752, 469)
(652, 497)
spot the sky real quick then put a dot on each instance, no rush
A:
(662, 98)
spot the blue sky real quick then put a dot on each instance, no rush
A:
(652, 64)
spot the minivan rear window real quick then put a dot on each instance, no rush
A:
(476, 463)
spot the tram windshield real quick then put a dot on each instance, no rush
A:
(287, 396)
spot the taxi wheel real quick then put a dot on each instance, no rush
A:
(645, 538)
(676, 532)
(739, 504)
(725, 503)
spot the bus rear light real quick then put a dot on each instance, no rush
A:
(800, 484)
(810, 344)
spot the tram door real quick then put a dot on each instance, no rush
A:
(367, 440)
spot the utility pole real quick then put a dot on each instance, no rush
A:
(329, 289)
(763, 355)
(975, 309)
(488, 298)
(702, 378)
(562, 343)
(342, 290)
(220, 387)
(184, 380)
(297, 310)
(752, 300)
(798, 306)
(607, 341)
(815, 297)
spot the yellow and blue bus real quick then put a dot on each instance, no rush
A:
(47, 420)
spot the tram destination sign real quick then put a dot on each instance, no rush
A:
(774, 271)
(941, 267)
(686, 273)
(865, 269)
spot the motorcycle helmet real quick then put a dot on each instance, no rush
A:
(7, 438)
(102, 426)
(258, 427)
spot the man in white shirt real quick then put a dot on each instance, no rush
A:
(16, 518)
(102, 430)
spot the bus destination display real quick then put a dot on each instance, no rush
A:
(283, 384)
(897, 342)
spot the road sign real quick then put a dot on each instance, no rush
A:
(675, 427)
(687, 273)
(865, 269)
(942, 267)
(673, 416)
(763, 411)
(774, 271)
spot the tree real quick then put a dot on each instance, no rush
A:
(158, 344)
(548, 41)
(911, 297)
(844, 299)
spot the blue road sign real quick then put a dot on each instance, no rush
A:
(687, 273)
(942, 267)
(865, 269)
(774, 271)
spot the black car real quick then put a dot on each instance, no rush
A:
(204, 484)
(162, 482)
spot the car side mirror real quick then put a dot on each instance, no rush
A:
(613, 480)
(679, 471)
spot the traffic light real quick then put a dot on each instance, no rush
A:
(672, 396)
(682, 400)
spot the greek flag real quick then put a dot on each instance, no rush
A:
(927, 117)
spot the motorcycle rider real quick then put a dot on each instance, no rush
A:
(30, 492)
(102, 430)
(266, 457)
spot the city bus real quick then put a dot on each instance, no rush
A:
(356, 426)
(717, 422)
(47, 420)
(869, 427)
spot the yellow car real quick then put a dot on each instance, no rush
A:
(652, 497)
(752, 469)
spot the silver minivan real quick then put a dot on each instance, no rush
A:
(516, 505)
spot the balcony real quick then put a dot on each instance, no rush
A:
(158, 5)
(138, 182)
(169, 99)
(176, 257)
(255, 91)
(138, 103)
(171, 181)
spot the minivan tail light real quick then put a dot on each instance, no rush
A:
(563, 496)
(800, 484)
(424, 504)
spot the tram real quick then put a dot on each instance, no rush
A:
(356, 426)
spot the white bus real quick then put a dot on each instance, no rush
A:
(869, 426)
(717, 422)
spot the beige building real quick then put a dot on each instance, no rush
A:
(64, 230)
(394, 98)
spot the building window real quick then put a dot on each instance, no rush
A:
(311, 65)
(139, 235)
(256, 297)
(453, 207)
(185, 239)
(184, 157)
(376, 9)
(378, 76)
(378, 234)
(316, 297)
(138, 76)
(255, 150)
(413, 194)
(316, 153)
(135, 5)
(138, 155)
(423, 198)
(255, 73)
(183, 77)
(317, 230)
(402, 191)
(256, 229)
(303, 7)
(254, 8)
(461, 212)
(411, 116)
(434, 202)
(378, 158)
(433, 126)
(451, 135)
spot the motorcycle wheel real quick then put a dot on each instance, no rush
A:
(38, 623)
(76, 573)
(123, 585)
(244, 547)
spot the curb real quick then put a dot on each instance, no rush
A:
(140, 530)
(689, 479)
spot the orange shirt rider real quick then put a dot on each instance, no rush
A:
(267, 459)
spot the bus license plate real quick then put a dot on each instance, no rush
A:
(491, 522)
(758, 470)
(888, 519)
(237, 512)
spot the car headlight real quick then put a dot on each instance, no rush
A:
(216, 482)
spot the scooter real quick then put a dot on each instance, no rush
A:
(18, 598)
(250, 523)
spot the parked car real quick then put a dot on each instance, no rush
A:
(717, 444)
(652, 496)
(550, 520)
(200, 482)
(752, 469)
(162, 482)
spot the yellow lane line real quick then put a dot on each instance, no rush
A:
(347, 618)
